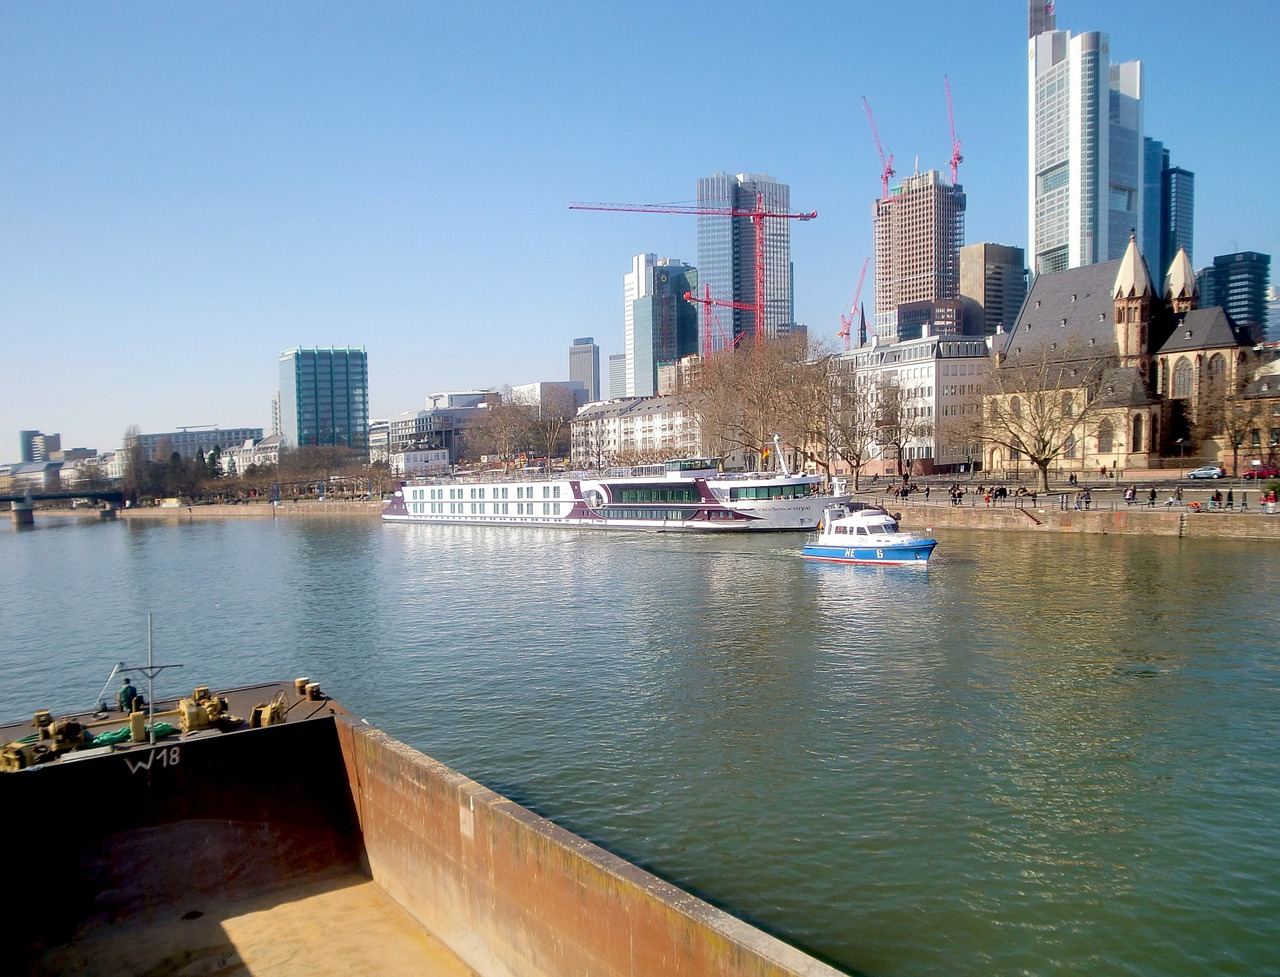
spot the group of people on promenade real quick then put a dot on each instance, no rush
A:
(1217, 501)
(997, 494)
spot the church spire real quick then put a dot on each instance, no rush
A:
(1133, 296)
(1180, 288)
(1133, 280)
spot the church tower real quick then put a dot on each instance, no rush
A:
(1180, 289)
(1132, 294)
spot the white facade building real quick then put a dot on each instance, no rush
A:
(938, 378)
(624, 430)
(415, 462)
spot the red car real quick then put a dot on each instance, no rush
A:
(1262, 471)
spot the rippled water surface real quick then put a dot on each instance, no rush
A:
(1044, 755)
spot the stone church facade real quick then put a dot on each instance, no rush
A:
(1161, 369)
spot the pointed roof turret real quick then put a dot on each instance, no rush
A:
(1133, 279)
(1180, 283)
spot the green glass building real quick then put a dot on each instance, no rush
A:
(324, 397)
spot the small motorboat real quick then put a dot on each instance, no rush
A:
(858, 532)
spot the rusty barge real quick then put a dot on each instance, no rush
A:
(302, 840)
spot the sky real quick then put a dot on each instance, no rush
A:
(187, 189)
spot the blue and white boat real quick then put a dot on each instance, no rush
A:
(858, 532)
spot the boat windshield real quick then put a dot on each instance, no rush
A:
(692, 465)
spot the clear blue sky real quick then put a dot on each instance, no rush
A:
(188, 188)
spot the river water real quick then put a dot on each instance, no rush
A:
(1045, 755)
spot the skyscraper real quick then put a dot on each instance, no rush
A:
(1085, 128)
(324, 397)
(1177, 214)
(617, 375)
(1155, 160)
(726, 258)
(993, 283)
(660, 325)
(1168, 207)
(1039, 17)
(584, 366)
(1239, 283)
(919, 230)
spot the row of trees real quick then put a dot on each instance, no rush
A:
(1039, 406)
(807, 396)
(166, 474)
(512, 429)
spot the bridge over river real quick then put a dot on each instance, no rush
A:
(22, 504)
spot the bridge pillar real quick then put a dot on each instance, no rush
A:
(23, 513)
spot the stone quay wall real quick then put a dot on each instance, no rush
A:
(1136, 520)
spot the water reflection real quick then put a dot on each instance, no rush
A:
(1044, 754)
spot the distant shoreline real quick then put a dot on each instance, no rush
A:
(1045, 516)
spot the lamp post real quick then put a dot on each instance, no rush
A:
(1181, 446)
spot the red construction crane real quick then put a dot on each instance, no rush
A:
(757, 215)
(853, 307)
(886, 165)
(709, 304)
(956, 158)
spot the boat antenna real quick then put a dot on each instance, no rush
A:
(151, 671)
(782, 461)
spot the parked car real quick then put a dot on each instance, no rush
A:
(1262, 471)
(1207, 471)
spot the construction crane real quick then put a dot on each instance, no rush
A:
(757, 215)
(708, 303)
(886, 165)
(847, 323)
(956, 158)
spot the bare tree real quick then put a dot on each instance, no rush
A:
(1226, 411)
(1038, 400)
(852, 417)
(898, 422)
(550, 422)
(134, 468)
(505, 430)
(742, 398)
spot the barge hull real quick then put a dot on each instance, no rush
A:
(325, 846)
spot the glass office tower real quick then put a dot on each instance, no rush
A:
(726, 258)
(324, 397)
(1085, 128)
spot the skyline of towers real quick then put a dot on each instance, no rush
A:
(324, 397)
(1085, 147)
(726, 258)
(919, 230)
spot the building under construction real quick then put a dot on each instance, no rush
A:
(919, 230)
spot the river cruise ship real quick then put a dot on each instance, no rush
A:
(689, 495)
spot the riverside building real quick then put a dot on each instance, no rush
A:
(324, 397)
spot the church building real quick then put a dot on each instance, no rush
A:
(1145, 378)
